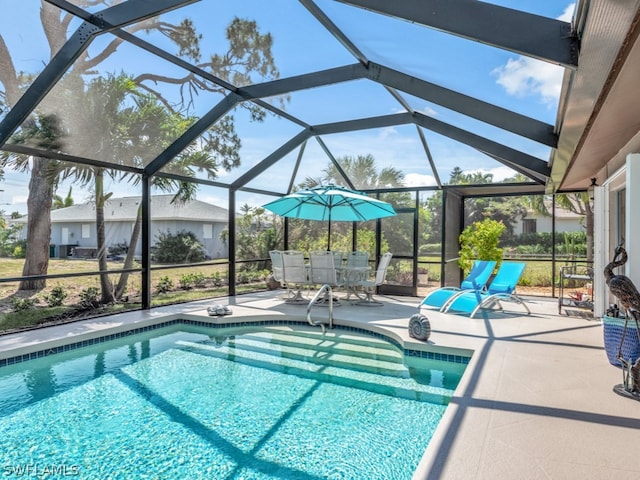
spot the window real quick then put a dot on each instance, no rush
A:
(207, 230)
(529, 225)
(86, 230)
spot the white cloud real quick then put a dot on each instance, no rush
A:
(19, 199)
(429, 112)
(387, 133)
(499, 173)
(567, 15)
(426, 110)
(525, 76)
(214, 200)
(419, 180)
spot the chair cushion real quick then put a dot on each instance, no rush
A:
(500, 288)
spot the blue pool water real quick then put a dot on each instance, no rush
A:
(186, 402)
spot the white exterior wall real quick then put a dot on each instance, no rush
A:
(120, 232)
(544, 224)
(627, 177)
(601, 218)
(632, 232)
(213, 247)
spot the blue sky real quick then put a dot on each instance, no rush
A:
(301, 45)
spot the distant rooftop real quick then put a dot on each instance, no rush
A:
(125, 209)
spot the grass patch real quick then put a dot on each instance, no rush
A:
(27, 318)
(41, 316)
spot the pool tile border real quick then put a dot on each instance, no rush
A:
(134, 331)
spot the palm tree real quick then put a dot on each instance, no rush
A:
(363, 172)
(59, 202)
(116, 105)
(249, 54)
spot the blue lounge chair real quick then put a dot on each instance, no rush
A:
(501, 288)
(475, 281)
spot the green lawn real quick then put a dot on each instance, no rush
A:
(10, 267)
(73, 287)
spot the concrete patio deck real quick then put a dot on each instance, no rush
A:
(536, 401)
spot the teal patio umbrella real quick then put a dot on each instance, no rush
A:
(330, 203)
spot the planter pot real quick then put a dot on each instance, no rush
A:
(613, 328)
(423, 279)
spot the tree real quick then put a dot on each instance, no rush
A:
(362, 170)
(580, 204)
(366, 175)
(116, 104)
(59, 202)
(503, 209)
(8, 235)
(249, 54)
(45, 132)
(257, 232)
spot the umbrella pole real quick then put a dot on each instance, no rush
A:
(329, 236)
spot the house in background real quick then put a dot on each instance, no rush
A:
(535, 222)
(73, 229)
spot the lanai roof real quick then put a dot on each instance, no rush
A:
(405, 65)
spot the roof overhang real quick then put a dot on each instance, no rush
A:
(598, 116)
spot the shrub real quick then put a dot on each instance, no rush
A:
(56, 296)
(479, 241)
(217, 279)
(22, 304)
(20, 249)
(542, 240)
(199, 280)
(165, 284)
(119, 248)
(531, 250)
(89, 297)
(183, 247)
(186, 281)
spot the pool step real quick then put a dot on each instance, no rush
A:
(350, 377)
(323, 356)
(336, 335)
(329, 345)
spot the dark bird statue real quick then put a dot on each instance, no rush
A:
(623, 288)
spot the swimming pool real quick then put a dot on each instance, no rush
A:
(184, 401)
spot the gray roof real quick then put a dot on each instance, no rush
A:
(125, 209)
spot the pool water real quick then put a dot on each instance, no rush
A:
(187, 402)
